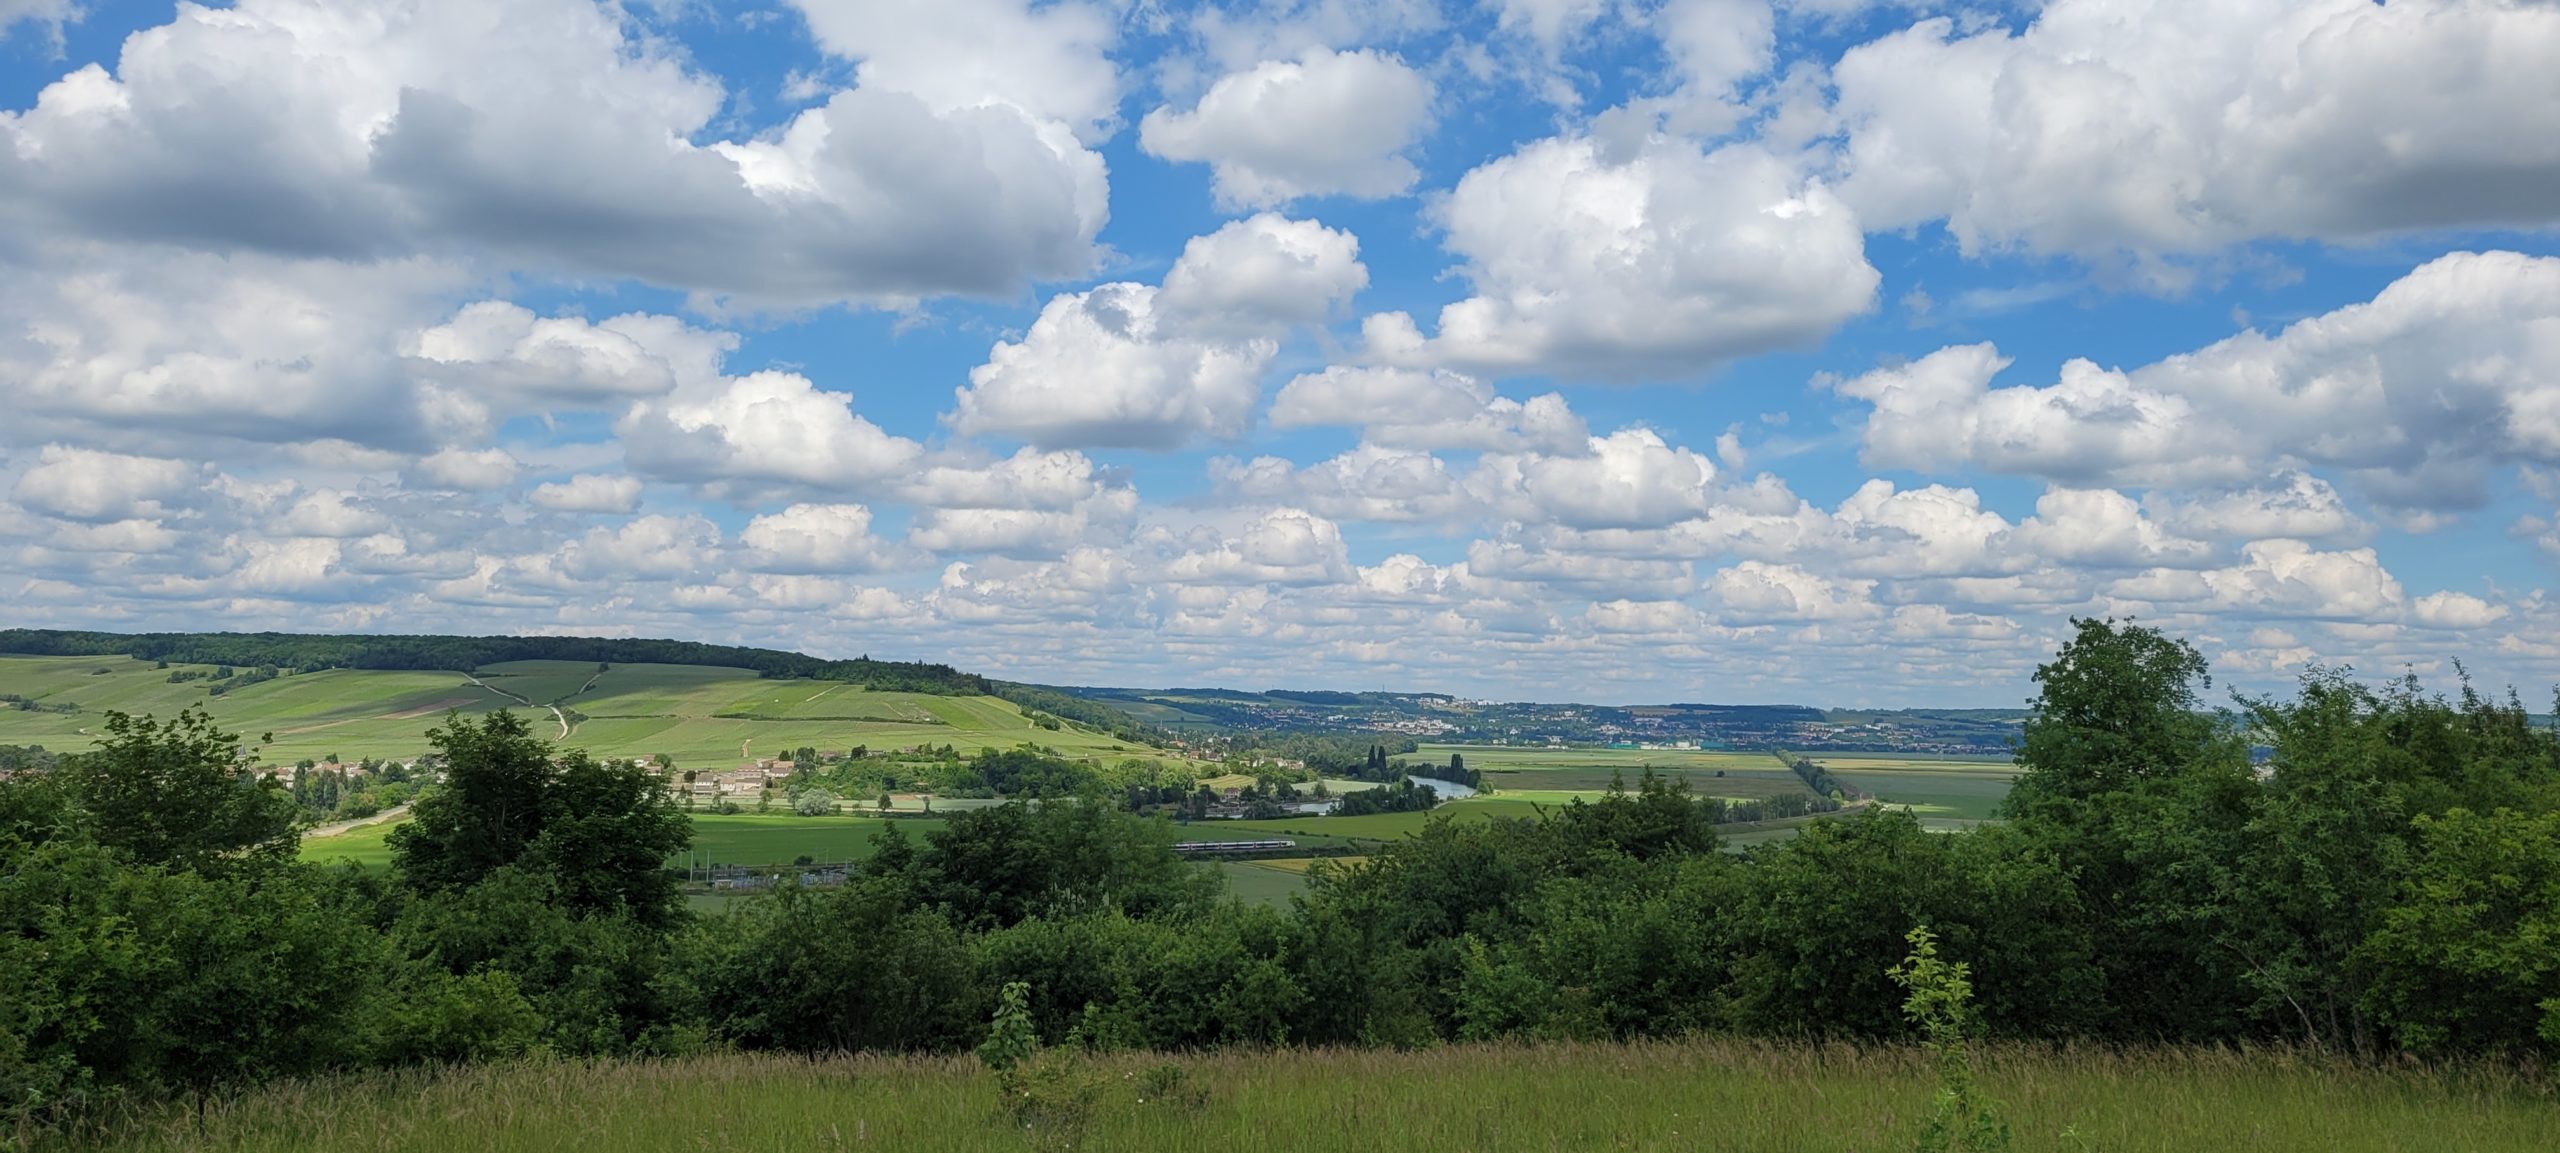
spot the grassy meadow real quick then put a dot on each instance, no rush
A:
(1683, 1095)
(700, 717)
(1944, 791)
(1557, 775)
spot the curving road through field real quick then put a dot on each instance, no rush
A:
(556, 714)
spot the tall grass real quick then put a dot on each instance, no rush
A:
(1706, 1094)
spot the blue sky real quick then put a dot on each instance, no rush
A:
(1631, 350)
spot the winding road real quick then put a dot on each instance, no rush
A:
(556, 714)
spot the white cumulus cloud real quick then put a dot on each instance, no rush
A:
(1327, 123)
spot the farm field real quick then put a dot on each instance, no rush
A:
(698, 716)
(1553, 776)
(780, 838)
(1519, 758)
(1258, 883)
(1944, 793)
(735, 839)
(1695, 1094)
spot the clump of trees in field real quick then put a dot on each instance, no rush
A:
(2386, 882)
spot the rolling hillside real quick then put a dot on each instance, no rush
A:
(698, 715)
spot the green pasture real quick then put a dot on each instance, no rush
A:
(368, 847)
(699, 717)
(779, 839)
(733, 839)
(1737, 784)
(1558, 775)
(1257, 883)
(1950, 792)
(1700, 1093)
(1526, 758)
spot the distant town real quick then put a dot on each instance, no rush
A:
(1434, 717)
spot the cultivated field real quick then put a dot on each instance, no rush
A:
(1518, 758)
(1554, 776)
(1699, 1094)
(1945, 793)
(700, 717)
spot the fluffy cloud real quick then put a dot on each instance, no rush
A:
(2103, 528)
(1754, 592)
(327, 514)
(1029, 479)
(1032, 505)
(1098, 370)
(1427, 409)
(83, 484)
(1717, 43)
(2449, 370)
(590, 492)
(161, 348)
(1630, 478)
(814, 538)
(2278, 578)
(1939, 412)
(1328, 123)
(767, 428)
(2179, 126)
(1369, 483)
(1263, 273)
(1047, 61)
(489, 126)
(2453, 610)
(647, 548)
(2295, 504)
(506, 353)
(1662, 262)
(467, 469)
(1285, 546)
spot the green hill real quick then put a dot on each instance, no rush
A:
(699, 715)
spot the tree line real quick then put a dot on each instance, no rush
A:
(2387, 882)
(306, 652)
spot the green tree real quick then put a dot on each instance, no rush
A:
(601, 830)
(2468, 958)
(122, 976)
(180, 794)
(607, 832)
(492, 805)
(2141, 796)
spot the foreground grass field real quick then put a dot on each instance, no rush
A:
(710, 718)
(1695, 1095)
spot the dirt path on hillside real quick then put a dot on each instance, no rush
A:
(334, 828)
(556, 714)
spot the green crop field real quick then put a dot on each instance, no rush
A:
(365, 846)
(779, 839)
(1945, 793)
(1522, 758)
(736, 839)
(1738, 784)
(708, 717)
(1258, 883)
(1704, 1093)
(1553, 775)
